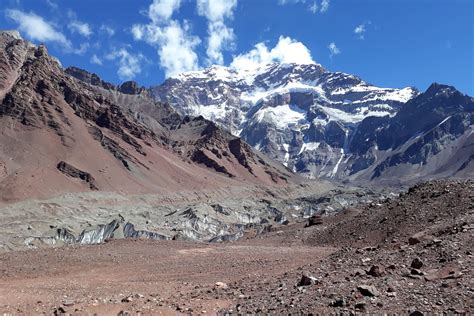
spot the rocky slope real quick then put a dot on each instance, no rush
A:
(60, 134)
(416, 259)
(323, 124)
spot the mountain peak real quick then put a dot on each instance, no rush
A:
(12, 33)
(436, 88)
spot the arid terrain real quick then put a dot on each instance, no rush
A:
(288, 189)
(406, 254)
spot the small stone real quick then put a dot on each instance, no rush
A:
(361, 306)
(358, 272)
(68, 303)
(338, 303)
(375, 271)
(416, 313)
(127, 299)
(314, 220)
(221, 285)
(416, 272)
(416, 263)
(413, 240)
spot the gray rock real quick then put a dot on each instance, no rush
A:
(368, 290)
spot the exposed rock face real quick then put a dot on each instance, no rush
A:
(128, 87)
(206, 143)
(90, 78)
(71, 171)
(332, 125)
(131, 87)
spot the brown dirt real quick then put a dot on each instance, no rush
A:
(151, 277)
(413, 253)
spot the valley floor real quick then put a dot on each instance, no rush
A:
(409, 255)
(159, 277)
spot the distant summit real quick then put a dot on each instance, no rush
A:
(325, 124)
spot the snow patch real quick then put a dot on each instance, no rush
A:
(282, 116)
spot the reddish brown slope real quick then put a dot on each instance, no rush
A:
(47, 117)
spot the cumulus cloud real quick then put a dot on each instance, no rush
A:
(37, 29)
(129, 64)
(175, 45)
(220, 37)
(333, 50)
(162, 10)
(287, 50)
(96, 60)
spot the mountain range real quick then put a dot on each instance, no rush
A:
(68, 130)
(333, 125)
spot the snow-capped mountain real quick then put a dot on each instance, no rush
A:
(300, 114)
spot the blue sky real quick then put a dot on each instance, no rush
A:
(386, 42)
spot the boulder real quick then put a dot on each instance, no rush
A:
(307, 279)
(368, 290)
(416, 263)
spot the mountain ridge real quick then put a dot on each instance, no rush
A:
(304, 116)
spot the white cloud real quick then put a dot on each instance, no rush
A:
(284, 2)
(129, 64)
(287, 50)
(37, 29)
(313, 8)
(333, 50)
(76, 26)
(96, 60)
(361, 29)
(107, 29)
(324, 6)
(138, 31)
(220, 37)
(52, 4)
(81, 28)
(83, 48)
(175, 46)
(162, 10)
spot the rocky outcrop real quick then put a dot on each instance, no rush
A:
(131, 87)
(128, 87)
(73, 172)
(90, 78)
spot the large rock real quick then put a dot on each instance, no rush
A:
(368, 290)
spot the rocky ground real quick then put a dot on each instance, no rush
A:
(406, 255)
